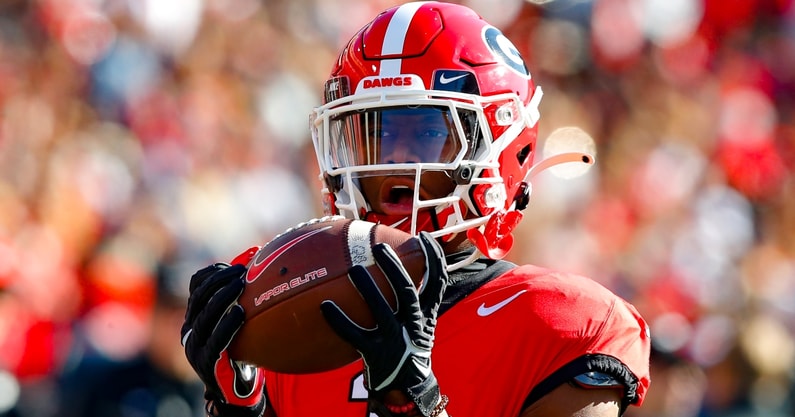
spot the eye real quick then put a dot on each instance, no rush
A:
(433, 134)
(385, 133)
(379, 133)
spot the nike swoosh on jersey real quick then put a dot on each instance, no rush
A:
(484, 311)
(445, 80)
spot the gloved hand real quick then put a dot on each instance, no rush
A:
(397, 353)
(212, 318)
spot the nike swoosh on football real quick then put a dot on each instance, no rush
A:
(484, 311)
(260, 265)
(445, 80)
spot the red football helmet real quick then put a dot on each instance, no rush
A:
(429, 91)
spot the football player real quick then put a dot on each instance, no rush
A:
(429, 124)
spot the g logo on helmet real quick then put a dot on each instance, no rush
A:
(504, 49)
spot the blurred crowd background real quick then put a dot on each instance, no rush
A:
(143, 139)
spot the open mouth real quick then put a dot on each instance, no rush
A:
(397, 196)
(400, 195)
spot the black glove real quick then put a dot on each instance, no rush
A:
(212, 318)
(397, 352)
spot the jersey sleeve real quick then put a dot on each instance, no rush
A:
(592, 330)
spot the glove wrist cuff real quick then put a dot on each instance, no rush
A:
(426, 395)
(423, 399)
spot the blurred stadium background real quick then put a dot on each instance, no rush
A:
(142, 139)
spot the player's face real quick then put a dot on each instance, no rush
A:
(397, 135)
(409, 135)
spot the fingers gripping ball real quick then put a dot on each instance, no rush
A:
(284, 329)
(212, 317)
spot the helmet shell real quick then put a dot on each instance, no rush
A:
(436, 47)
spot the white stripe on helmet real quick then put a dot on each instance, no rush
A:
(395, 37)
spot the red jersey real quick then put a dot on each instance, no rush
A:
(500, 346)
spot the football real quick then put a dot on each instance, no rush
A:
(288, 278)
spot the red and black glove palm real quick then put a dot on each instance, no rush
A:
(212, 318)
(397, 352)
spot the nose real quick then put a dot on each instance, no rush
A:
(400, 151)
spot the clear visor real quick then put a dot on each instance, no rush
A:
(402, 134)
